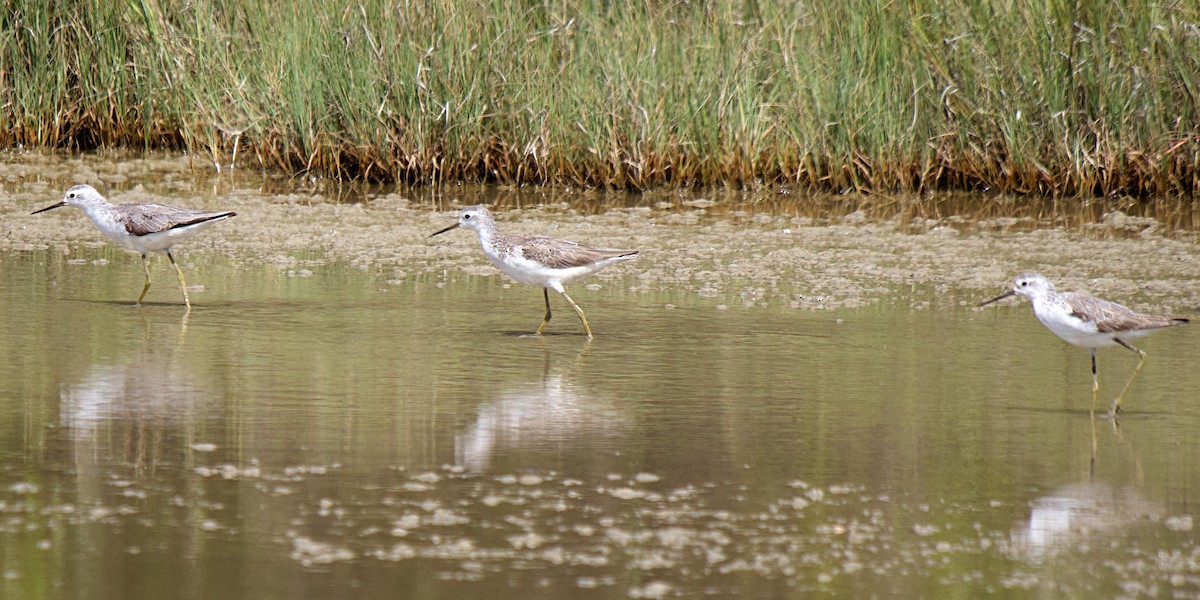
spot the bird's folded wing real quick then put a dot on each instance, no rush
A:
(144, 219)
(1110, 317)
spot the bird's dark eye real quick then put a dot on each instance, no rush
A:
(466, 216)
(1024, 283)
(71, 195)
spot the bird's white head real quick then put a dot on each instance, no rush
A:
(83, 196)
(476, 217)
(1028, 284)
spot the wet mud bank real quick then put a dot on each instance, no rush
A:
(755, 256)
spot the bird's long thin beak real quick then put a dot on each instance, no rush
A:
(63, 203)
(444, 230)
(1000, 297)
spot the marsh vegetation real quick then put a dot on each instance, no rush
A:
(1051, 98)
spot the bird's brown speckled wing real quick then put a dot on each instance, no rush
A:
(1111, 317)
(144, 219)
(561, 254)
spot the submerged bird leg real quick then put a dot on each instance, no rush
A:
(182, 283)
(1092, 457)
(1095, 382)
(580, 312)
(146, 270)
(546, 295)
(1116, 405)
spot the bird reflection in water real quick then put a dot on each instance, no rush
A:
(133, 410)
(550, 412)
(1077, 513)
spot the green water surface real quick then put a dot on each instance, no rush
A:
(337, 435)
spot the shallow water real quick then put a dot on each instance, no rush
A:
(331, 432)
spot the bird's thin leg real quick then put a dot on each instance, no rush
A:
(146, 270)
(1092, 457)
(546, 295)
(578, 310)
(1116, 405)
(1095, 381)
(182, 283)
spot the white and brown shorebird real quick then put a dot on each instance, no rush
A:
(545, 262)
(141, 227)
(1088, 322)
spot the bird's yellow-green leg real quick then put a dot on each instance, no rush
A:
(1095, 381)
(1116, 405)
(182, 283)
(1092, 457)
(146, 270)
(546, 295)
(579, 311)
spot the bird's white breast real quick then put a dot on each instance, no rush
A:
(107, 223)
(531, 272)
(1057, 316)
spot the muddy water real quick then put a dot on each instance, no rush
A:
(348, 419)
(339, 436)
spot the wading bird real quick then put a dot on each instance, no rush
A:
(545, 262)
(1089, 322)
(141, 227)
